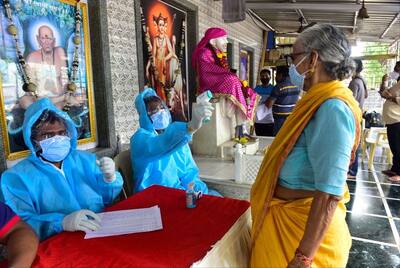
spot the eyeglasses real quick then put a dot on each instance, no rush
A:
(48, 135)
(152, 112)
(291, 57)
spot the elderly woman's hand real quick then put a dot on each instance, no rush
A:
(297, 263)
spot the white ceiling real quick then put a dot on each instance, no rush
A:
(283, 16)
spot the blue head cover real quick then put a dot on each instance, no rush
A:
(33, 113)
(144, 119)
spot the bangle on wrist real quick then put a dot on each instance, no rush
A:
(303, 258)
(190, 129)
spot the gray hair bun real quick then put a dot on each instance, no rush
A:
(341, 71)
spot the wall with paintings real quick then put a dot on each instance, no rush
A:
(116, 76)
(123, 51)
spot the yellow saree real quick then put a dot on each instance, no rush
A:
(278, 225)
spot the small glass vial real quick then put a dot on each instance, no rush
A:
(191, 198)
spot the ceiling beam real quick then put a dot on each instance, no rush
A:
(390, 25)
(300, 13)
(294, 33)
(355, 22)
(345, 26)
(324, 6)
(394, 42)
(266, 24)
(376, 57)
(369, 38)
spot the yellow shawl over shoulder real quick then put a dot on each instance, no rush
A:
(264, 187)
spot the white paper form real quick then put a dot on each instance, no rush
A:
(263, 111)
(128, 222)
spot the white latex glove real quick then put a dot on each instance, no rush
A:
(81, 220)
(107, 167)
(197, 189)
(199, 112)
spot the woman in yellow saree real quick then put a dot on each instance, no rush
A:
(298, 199)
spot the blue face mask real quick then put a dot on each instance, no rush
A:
(161, 119)
(296, 78)
(56, 148)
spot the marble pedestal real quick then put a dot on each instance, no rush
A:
(208, 139)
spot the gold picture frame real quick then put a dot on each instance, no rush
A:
(87, 128)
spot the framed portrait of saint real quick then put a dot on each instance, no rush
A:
(246, 64)
(46, 31)
(165, 54)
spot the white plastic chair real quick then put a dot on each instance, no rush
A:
(373, 138)
(124, 166)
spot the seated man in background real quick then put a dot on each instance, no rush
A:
(20, 240)
(160, 151)
(58, 187)
(283, 98)
(264, 124)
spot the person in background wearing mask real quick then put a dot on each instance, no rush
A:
(58, 187)
(360, 92)
(298, 199)
(18, 237)
(283, 98)
(160, 151)
(264, 124)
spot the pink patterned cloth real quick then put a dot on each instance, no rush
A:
(222, 82)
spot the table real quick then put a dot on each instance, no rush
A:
(216, 232)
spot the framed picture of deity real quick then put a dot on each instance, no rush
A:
(165, 54)
(48, 47)
(246, 64)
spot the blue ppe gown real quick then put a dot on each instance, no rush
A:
(162, 159)
(41, 194)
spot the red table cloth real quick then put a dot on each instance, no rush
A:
(186, 237)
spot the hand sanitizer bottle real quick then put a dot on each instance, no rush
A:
(191, 198)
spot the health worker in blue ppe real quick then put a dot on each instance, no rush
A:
(58, 187)
(160, 152)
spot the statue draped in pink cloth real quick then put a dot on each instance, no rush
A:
(213, 73)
